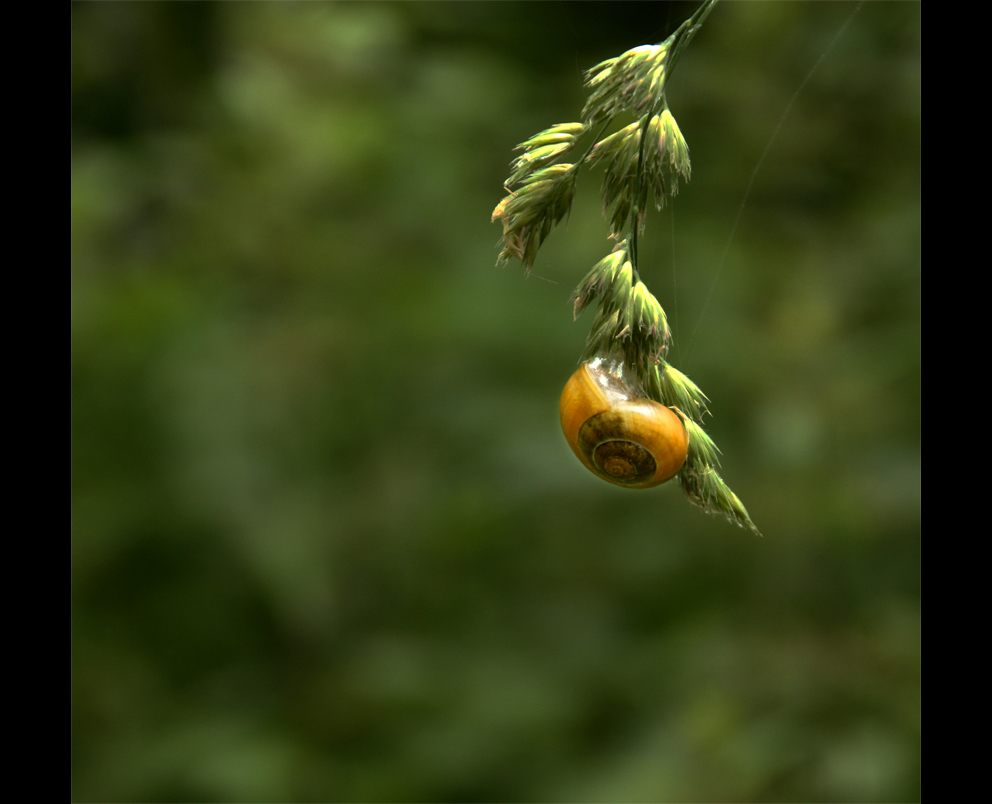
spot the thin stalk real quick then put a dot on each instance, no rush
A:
(581, 160)
(686, 31)
(635, 207)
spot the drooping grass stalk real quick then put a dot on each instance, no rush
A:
(642, 163)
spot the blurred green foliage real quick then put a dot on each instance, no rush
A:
(328, 542)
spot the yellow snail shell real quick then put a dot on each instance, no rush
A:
(621, 437)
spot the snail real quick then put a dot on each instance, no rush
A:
(618, 434)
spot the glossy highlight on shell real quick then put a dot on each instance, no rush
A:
(619, 435)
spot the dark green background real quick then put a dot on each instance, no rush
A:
(328, 541)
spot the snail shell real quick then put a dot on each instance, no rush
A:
(619, 435)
